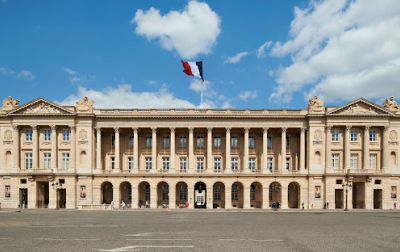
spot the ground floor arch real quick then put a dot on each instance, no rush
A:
(125, 191)
(294, 195)
(181, 194)
(106, 192)
(275, 193)
(256, 195)
(162, 194)
(144, 194)
(237, 195)
(200, 195)
(219, 195)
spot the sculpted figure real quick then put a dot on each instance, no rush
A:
(85, 105)
(391, 104)
(9, 104)
(316, 105)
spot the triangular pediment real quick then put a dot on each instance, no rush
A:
(360, 107)
(41, 106)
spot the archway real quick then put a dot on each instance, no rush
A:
(256, 196)
(275, 193)
(200, 195)
(237, 195)
(294, 195)
(181, 196)
(107, 192)
(125, 190)
(219, 195)
(144, 194)
(162, 194)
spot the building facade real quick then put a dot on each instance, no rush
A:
(78, 156)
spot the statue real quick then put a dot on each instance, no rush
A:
(391, 104)
(9, 104)
(316, 105)
(85, 105)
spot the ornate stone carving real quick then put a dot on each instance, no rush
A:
(15, 127)
(367, 127)
(9, 104)
(246, 129)
(328, 128)
(265, 129)
(191, 129)
(228, 129)
(85, 105)
(348, 127)
(53, 127)
(116, 129)
(386, 127)
(303, 129)
(8, 135)
(154, 129)
(357, 109)
(393, 135)
(318, 135)
(391, 104)
(209, 129)
(135, 129)
(97, 128)
(72, 128)
(82, 134)
(34, 127)
(284, 129)
(316, 105)
(41, 107)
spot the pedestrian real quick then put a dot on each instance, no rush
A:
(112, 205)
(123, 205)
(274, 205)
(187, 205)
(302, 205)
(327, 205)
(278, 205)
(19, 204)
(394, 205)
(147, 204)
(139, 203)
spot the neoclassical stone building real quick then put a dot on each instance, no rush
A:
(78, 156)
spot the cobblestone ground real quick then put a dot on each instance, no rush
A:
(198, 230)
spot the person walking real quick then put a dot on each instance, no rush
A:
(139, 203)
(147, 204)
(123, 205)
(112, 205)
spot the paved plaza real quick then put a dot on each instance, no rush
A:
(198, 230)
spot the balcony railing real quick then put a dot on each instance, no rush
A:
(255, 171)
(217, 150)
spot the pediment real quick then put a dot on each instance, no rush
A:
(40, 106)
(360, 107)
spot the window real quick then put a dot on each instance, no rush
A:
(339, 181)
(200, 141)
(148, 141)
(252, 141)
(335, 161)
(200, 163)
(65, 135)
(217, 141)
(147, 193)
(23, 181)
(130, 163)
(182, 164)
(28, 135)
(148, 163)
(112, 162)
(353, 135)
(372, 161)
(217, 164)
(47, 135)
(377, 181)
(353, 161)
(269, 163)
(217, 192)
(235, 164)
(234, 141)
(252, 192)
(113, 141)
(372, 135)
(287, 163)
(252, 164)
(335, 135)
(165, 162)
(183, 192)
(287, 141)
(130, 141)
(166, 141)
(235, 192)
(28, 160)
(165, 190)
(270, 192)
(182, 141)
(65, 160)
(61, 181)
(269, 141)
(46, 160)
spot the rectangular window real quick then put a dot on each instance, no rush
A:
(372, 135)
(353, 135)
(235, 164)
(82, 192)
(253, 192)
(28, 160)
(217, 141)
(269, 163)
(65, 160)
(147, 193)
(200, 163)
(217, 192)
(252, 141)
(148, 141)
(165, 192)
(46, 160)
(335, 135)
(235, 192)
(252, 164)
(353, 161)
(182, 164)
(335, 161)
(165, 162)
(8, 191)
(130, 141)
(200, 141)
(270, 192)
(393, 193)
(28, 135)
(217, 164)
(130, 163)
(113, 141)
(287, 141)
(372, 161)
(269, 141)
(112, 163)
(287, 163)
(148, 163)
(47, 135)
(182, 141)
(183, 192)
(234, 141)
(166, 141)
(65, 135)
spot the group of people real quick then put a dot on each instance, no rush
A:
(276, 205)
(122, 205)
(140, 204)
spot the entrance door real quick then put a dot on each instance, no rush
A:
(62, 198)
(23, 197)
(339, 198)
(200, 195)
(377, 198)
(42, 194)
(358, 195)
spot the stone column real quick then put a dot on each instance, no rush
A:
(347, 147)
(153, 196)
(265, 197)
(228, 196)
(246, 197)
(154, 152)
(209, 150)
(135, 150)
(366, 147)
(385, 147)
(191, 196)
(228, 151)
(35, 147)
(265, 151)
(328, 139)
(134, 193)
(246, 150)
(172, 154)
(172, 196)
(53, 146)
(302, 149)
(98, 149)
(117, 152)
(284, 197)
(191, 152)
(210, 195)
(15, 146)
(72, 155)
(283, 149)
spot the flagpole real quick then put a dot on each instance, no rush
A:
(202, 82)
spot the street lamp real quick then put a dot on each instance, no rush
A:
(276, 187)
(57, 187)
(347, 186)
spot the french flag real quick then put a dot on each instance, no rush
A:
(193, 68)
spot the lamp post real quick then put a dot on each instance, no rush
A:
(276, 187)
(347, 186)
(57, 187)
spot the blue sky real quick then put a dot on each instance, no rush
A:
(127, 53)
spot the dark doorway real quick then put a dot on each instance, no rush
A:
(42, 194)
(377, 198)
(358, 195)
(23, 198)
(200, 195)
(339, 198)
(62, 198)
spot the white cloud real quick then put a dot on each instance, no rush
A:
(261, 49)
(235, 59)
(6, 71)
(124, 97)
(342, 50)
(195, 85)
(151, 82)
(74, 80)
(69, 71)
(190, 32)
(248, 95)
(26, 75)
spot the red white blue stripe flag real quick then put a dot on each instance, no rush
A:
(193, 68)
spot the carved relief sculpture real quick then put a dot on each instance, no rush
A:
(391, 104)
(8, 135)
(85, 105)
(316, 105)
(318, 135)
(357, 109)
(41, 108)
(393, 135)
(82, 134)
(9, 104)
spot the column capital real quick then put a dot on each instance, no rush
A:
(172, 129)
(15, 127)
(72, 127)
(97, 129)
(246, 129)
(209, 129)
(265, 129)
(53, 127)
(154, 129)
(34, 127)
(284, 129)
(228, 129)
(191, 129)
(367, 127)
(386, 127)
(135, 129)
(303, 129)
(328, 127)
(116, 129)
(348, 127)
